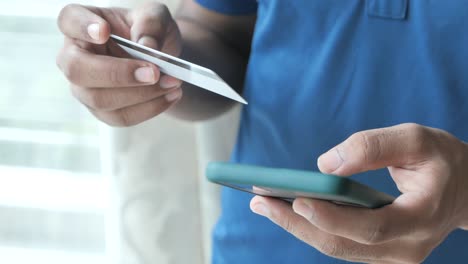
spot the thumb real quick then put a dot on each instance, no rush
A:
(399, 145)
(150, 22)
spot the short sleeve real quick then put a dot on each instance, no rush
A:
(230, 7)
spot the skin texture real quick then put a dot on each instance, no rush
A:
(121, 91)
(429, 167)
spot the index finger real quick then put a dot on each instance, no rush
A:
(90, 70)
(332, 245)
(80, 22)
(366, 226)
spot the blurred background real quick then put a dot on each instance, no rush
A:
(73, 190)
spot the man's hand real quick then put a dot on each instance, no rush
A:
(118, 90)
(429, 167)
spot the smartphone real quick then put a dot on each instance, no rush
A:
(289, 184)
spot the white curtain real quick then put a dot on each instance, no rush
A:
(73, 191)
(52, 193)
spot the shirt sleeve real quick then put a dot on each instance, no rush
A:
(230, 7)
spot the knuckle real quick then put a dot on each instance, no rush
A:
(369, 146)
(97, 100)
(419, 137)
(412, 127)
(123, 118)
(285, 220)
(145, 93)
(417, 131)
(375, 234)
(287, 224)
(64, 13)
(331, 248)
(164, 15)
(77, 91)
(116, 76)
(162, 9)
(148, 94)
(155, 14)
(70, 64)
(157, 25)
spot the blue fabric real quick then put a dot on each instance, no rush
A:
(231, 7)
(322, 70)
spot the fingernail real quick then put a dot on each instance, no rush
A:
(303, 209)
(144, 75)
(174, 95)
(167, 82)
(93, 31)
(148, 42)
(330, 161)
(261, 209)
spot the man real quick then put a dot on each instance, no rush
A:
(319, 72)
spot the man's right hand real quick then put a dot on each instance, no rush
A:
(118, 90)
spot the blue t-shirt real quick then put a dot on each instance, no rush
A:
(322, 70)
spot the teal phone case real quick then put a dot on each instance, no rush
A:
(289, 184)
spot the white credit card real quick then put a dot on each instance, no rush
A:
(180, 69)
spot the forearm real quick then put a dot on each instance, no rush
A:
(216, 41)
(206, 48)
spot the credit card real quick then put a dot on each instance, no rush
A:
(180, 69)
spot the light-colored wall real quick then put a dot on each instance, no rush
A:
(162, 209)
